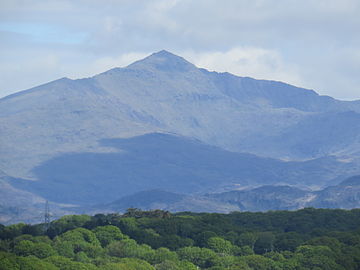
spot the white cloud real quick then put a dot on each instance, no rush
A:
(309, 43)
(248, 62)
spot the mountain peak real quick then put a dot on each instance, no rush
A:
(163, 61)
(164, 53)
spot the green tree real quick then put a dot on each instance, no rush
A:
(198, 256)
(8, 261)
(317, 258)
(78, 240)
(128, 248)
(108, 234)
(288, 241)
(63, 263)
(220, 245)
(33, 263)
(257, 262)
(12, 231)
(128, 264)
(67, 223)
(40, 250)
(248, 239)
(164, 254)
(265, 242)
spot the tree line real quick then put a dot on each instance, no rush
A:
(158, 240)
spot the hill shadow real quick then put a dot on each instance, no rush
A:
(155, 161)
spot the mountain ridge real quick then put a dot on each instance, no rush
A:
(257, 123)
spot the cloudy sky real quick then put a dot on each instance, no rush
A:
(310, 43)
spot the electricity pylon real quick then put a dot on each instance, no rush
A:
(47, 216)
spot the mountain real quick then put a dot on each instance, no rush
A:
(165, 93)
(344, 195)
(161, 122)
(266, 198)
(174, 202)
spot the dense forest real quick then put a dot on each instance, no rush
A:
(148, 240)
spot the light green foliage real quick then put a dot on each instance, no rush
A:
(164, 254)
(326, 240)
(185, 265)
(175, 265)
(80, 235)
(22, 237)
(243, 251)
(33, 263)
(239, 264)
(317, 258)
(128, 248)
(330, 242)
(223, 261)
(257, 262)
(229, 263)
(275, 256)
(8, 261)
(34, 239)
(24, 248)
(198, 256)
(63, 263)
(220, 245)
(168, 265)
(108, 234)
(113, 266)
(82, 257)
(128, 264)
(64, 248)
(40, 250)
(78, 240)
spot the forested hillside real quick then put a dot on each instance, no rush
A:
(304, 239)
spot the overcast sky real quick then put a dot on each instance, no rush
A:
(310, 43)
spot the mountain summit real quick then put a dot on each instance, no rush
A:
(163, 61)
(233, 129)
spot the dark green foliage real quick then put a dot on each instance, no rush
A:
(66, 223)
(315, 239)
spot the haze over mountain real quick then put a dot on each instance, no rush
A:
(163, 122)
